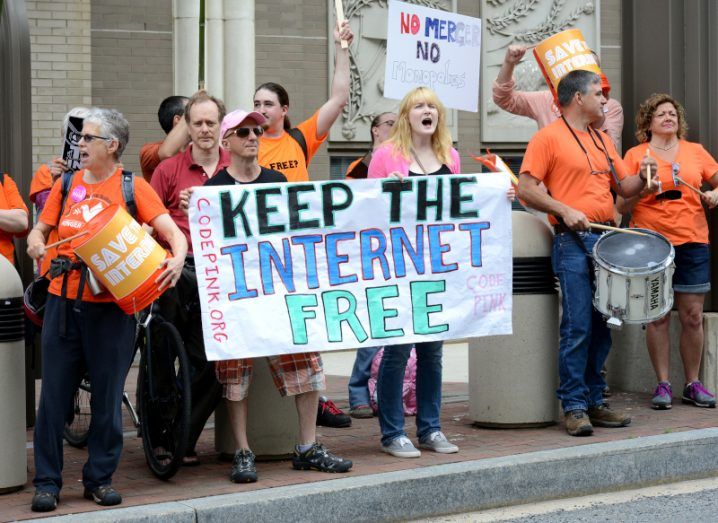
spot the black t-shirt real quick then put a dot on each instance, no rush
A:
(441, 170)
(265, 176)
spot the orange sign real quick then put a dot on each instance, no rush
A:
(563, 53)
(121, 254)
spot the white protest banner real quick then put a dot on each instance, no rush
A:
(436, 49)
(318, 266)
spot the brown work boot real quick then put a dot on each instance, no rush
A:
(603, 416)
(577, 423)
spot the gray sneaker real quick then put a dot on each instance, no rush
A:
(437, 442)
(401, 447)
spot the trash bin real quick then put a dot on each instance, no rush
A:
(272, 421)
(13, 452)
(513, 379)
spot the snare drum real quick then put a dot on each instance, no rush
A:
(634, 277)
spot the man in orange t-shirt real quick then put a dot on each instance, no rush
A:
(579, 165)
(171, 117)
(13, 217)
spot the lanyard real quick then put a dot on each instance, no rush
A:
(601, 148)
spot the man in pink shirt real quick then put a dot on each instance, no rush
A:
(540, 105)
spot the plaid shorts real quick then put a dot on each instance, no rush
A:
(292, 374)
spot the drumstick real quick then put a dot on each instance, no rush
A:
(340, 18)
(69, 238)
(616, 229)
(648, 169)
(697, 191)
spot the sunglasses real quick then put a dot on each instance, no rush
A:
(89, 138)
(243, 132)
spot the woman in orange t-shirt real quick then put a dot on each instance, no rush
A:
(673, 210)
(83, 332)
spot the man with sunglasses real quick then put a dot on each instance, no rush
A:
(201, 160)
(579, 166)
(298, 375)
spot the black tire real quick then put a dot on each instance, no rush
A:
(77, 428)
(164, 398)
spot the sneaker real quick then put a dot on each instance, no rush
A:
(329, 415)
(577, 423)
(361, 412)
(103, 495)
(401, 447)
(662, 396)
(243, 469)
(437, 442)
(604, 416)
(697, 395)
(319, 458)
(44, 501)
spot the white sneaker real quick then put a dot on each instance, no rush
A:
(401, 447)
(437, 442)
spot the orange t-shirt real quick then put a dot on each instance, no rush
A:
(683, 220)
(554, 157)
(41, 181)
(84, 201)
(10, 199)
(150, 159)
(285, 155)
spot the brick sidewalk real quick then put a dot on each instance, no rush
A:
(359, 443)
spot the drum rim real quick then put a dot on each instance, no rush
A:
(627, 271)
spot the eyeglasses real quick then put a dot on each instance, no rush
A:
(243, 132)
(89, 138)
(390, 123)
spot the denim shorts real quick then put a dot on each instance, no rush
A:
(693, 271)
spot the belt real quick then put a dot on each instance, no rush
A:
(562, 227)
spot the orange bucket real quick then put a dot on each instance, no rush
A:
(563, 53)
(121, 254)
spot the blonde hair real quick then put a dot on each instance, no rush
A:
(400, 137)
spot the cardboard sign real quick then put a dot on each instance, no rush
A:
(318, 266)
(436, 49)
(563, 53)
(71, 148)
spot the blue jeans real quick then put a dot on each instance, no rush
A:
(585, 338)
(390, 386)
(359, 380)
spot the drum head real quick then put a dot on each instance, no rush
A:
(630, 251)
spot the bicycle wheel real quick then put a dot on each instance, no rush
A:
(164, 398)
(77, 427)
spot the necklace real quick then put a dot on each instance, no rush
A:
(664, 148)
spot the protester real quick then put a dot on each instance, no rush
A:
(579, 166)
(661, 130)
(85, 332)
(290, 150)
(173, 123)
(298, 375)
(201, 160)
(359, 400)
(419, 145)
(13, 216)
(540, 105)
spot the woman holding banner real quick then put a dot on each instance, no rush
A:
(83, 331)
(674, 209)
(419, 145)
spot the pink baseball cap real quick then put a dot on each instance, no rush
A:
(237, 117)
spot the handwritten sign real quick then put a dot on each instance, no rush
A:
(298, 267)
(436, 49)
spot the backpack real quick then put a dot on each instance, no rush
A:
(299, 138)
(408, 388)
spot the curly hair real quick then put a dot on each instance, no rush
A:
(644, 117)
(441, 142)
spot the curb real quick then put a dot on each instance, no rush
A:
(453, 488)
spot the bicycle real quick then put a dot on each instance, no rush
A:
(163, 395)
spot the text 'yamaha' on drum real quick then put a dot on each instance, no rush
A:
(634, 277)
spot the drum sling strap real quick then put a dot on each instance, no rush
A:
(62, 265)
